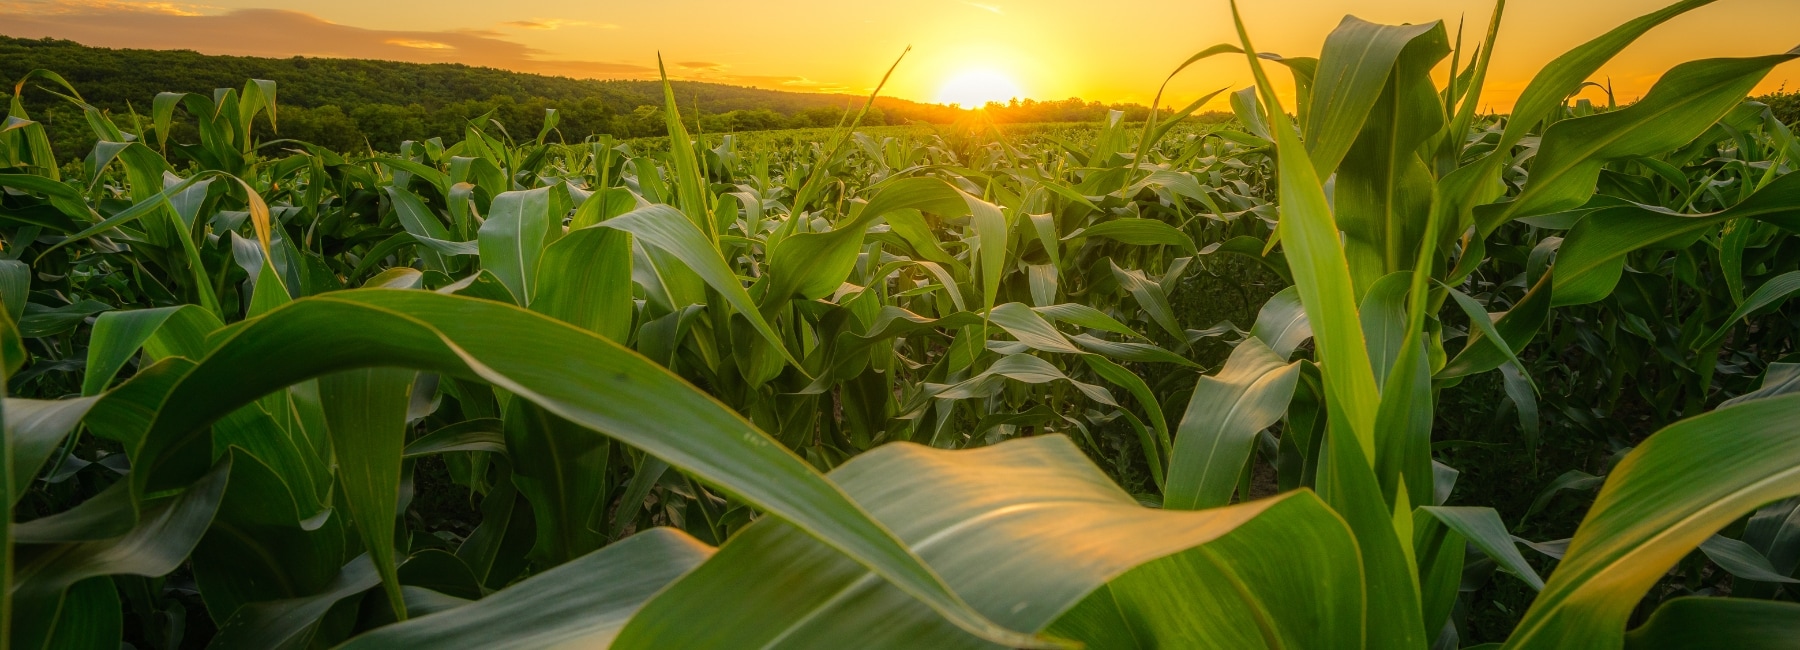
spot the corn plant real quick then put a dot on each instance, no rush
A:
(898, 388)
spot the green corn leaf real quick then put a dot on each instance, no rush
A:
(690, 187)
(1309, 232)
(1150, 296)
(580, 604)
(1030, 328)
(1681, 106)
(1384, 188)
(813, 265)
(1692, 623)
(596, 384)
(292, 624)
(1355, 66)
(1084, 316)
(1775, 291)
(160, 331)
(1593, 255)
(1139, 232)
(658, 226)
(1483, 528)
(165, 534)
(1227, 410)
(512, 240)
(1564, 75)
(1021, 368)
(1517, 327)
(1281, 323)
(421, 223)
(562, 472)
(34, 430)
(968, 514)
(365, 411)
(1667, 497)
(584, 279)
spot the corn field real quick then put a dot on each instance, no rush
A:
(912, 387)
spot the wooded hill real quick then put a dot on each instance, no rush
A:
(352, 104)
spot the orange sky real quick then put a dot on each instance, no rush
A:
(1117, 50)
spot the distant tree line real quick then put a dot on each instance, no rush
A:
(355, 104)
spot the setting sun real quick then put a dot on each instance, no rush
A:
(975, 88)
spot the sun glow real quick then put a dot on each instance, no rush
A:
(975, 88)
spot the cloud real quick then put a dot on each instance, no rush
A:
(419, 45)
(282, 33)
(554, 23)
(67, 7)
(993, 9)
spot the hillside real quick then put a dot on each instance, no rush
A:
(350, 104)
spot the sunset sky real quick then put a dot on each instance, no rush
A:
(1047, 49)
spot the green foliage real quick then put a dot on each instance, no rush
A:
(905, 387)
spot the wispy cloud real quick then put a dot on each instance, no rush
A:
(282, 33)
(993, 9)
(555, 23)
(68, 7)
(419, 45)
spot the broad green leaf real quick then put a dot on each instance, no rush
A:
(691, 193)
(1778, 379)
(258, 548)
(1150, 296)
(1227, 410)
(292, 624)
(562, 472)
(1741, 560)
(421, 223)
(1139, 232)
(583, 603)
(165, 534)
(1687, 100)
(1516, 328)
(15, 286)
(1022, 368)
(991, 226)
(518, 227)
(365, 411)
(596, 383)
(480, 434)
(813, 265)
(1055, 555)
(34, 430)
(1483, 528)
(1560, 78)
(659, 226)
(1030, 328)
(1775, 291)
(1384, 188)
(1309, 232)
(1355, 67)
(1593, 255)
(1693, 623)
(1668, 496)
(584, 279)
(1085, 316)
(1281, 323)
(161, 331)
